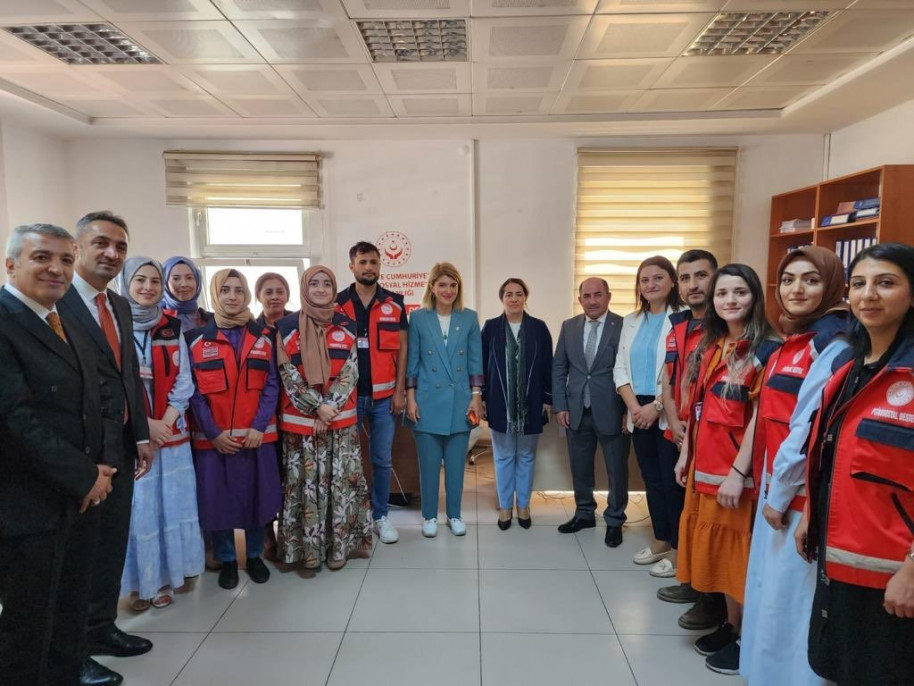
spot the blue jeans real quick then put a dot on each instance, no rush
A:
(381, 426)
(224, 543)
(514, 455)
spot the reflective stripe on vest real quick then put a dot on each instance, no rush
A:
(865, 562)
(236, 433)
(717, 479)
(303, 420)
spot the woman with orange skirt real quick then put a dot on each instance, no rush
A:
(715, 465)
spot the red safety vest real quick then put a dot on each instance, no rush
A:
(166, 363)
(340, 340)
(232, 391)
(870, 521)
(383, 337)
(784, 375)
(719, 423)
(682, 339)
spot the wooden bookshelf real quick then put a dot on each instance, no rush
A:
(892, 184)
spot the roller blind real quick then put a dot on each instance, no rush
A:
(633, 204)
(261, 180)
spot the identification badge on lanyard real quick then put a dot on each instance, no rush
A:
(146, 373)
(363, 343)
(698, 411)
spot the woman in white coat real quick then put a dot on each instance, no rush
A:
(638, 376)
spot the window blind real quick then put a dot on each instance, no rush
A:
(633, 204)
(261, 180)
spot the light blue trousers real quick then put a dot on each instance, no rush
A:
(514, 459)
(432, 449)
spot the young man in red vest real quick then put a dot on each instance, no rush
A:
(381, 325)
(694, 272)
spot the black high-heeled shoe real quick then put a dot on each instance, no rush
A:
(525, 522)
(504, 524)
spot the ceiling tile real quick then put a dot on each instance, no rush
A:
(330, 78)
(540, 39)
(44, 12)
(597, 103)
(143, 79)
(193, 42)
(506, 78)
(189, 105)
(684, 100)
(615, 75)
(711, 72)
(110, 107)
(431, 105)
(508, 104)
(438, 77)
(302, 40)
(160, 10)
(799, 70)
(268, 106)
(237, 79)
(349, 106)
(785, 5)
(530, 8)
(406, 9)
(762, 98)
(53, 81)
(859, 31)
(641, 35)
(883, 4)
(636, 6)
(280, 9)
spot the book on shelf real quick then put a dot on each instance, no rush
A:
(794, 225)
(848, 250)
(836, 219)
(866, 213)
(866, 203)
(846, 207)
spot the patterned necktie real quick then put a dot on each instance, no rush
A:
(590, 351)
(106, 321)
(53, 320)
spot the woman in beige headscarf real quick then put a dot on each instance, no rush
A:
(326, 515)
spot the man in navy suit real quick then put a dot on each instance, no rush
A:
(586, 404)
(51, 486)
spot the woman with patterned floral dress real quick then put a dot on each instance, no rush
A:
(326, 515)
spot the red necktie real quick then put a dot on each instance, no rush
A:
(106, 321)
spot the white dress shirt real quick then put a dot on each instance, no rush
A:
(587, 325)
(35, 307)
(88, 293)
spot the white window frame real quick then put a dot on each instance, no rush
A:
(204, 249)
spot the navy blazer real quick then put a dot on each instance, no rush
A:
(538, 376)
(443, 374)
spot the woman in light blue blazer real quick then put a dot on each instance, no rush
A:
(443, 385)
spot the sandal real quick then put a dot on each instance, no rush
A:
(140, 604)
(163, 598)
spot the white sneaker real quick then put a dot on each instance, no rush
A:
(430, 528)
(386, 531)
(458, 528)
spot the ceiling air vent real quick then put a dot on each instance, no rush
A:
(420, 40)
(84, 43)
(755, 33)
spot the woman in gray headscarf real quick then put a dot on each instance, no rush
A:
(165, 544)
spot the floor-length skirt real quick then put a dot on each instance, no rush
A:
(779, 589)
(326, 512)
(165, 545)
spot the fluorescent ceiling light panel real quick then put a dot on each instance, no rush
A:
(84, 43)
(415, 40)
(755, 33)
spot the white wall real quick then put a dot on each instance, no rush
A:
(887, 138)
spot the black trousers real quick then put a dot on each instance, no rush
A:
(44, 588)
(112, 543)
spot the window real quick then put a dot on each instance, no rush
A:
(633, 204)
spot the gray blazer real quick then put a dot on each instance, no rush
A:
(570, 373)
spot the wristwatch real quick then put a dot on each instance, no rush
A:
(658, 405)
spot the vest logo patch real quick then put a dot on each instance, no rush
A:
(338, 336)
(798, 357)
(167, 333)
(260, 342)
(387, 308)
(209, 350)
(176, 358)
(900, 393)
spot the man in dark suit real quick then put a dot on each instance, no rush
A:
(104, 317)
(50, 484)
(586, 404)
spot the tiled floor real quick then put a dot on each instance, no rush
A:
(492, 608)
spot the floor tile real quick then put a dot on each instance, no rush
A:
(159, 667)
(407, 659)
(197, 607)
(403, 600)
(538, 547)
(631, 598)
(288, 602)
(554, 659)
(665, 660)
(276, 658)
(413, 550)
(600, 556)
(541, 602)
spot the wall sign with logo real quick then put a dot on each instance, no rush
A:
(396, 249)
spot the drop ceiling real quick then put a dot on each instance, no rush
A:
(228, 64)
